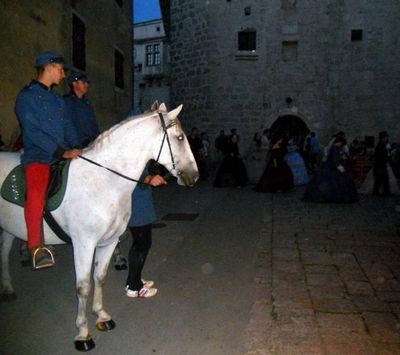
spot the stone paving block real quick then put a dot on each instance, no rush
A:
(383, 327)
(369, 304)
(294, 336)
(359, 288)
(284, 315)
(285, 254)
(348, 343)
(340, 322)
(389, 296)
(333, 305)
(355, 275)
(282, 276)
(321, 269)
(386, 349)
(262, 293)
(329, 290)
(395, 307)
(323, 279)
(287, 266)
(258, 328)
(284, 243)
(321, 258)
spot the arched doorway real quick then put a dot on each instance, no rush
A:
(290, 127)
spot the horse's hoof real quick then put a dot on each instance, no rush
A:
(8, 296)
(84, 345)
(120, 267)
(106, 325)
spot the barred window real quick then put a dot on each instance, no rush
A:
(247, 40)
(153, 55)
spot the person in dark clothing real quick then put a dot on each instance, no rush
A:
(332, 184)
(196, 145)
(232, 172)
(143, 215)
(221, 143)
(381, 159)
(79, 109)
(277, 175)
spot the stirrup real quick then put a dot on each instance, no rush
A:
(45, 265)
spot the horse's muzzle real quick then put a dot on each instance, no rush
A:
(187, 179)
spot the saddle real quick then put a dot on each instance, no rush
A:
(14, 190)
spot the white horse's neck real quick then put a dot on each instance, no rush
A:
(128, 146)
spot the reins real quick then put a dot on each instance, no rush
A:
(165, 128)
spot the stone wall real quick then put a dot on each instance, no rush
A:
(335, 83)
(29, 27)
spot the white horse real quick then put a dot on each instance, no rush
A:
(97, 203)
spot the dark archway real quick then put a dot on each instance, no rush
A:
(290, 127)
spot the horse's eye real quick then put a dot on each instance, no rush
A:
(180, 138)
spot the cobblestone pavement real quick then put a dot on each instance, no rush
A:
(328, 279)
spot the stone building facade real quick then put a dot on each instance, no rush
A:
(325, 65)
(151, 59)
(95, 37)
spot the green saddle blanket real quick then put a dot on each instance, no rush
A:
(13, 189)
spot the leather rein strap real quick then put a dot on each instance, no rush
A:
(165, 128)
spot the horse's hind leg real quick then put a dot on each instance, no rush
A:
(7, 293)
(102, 261)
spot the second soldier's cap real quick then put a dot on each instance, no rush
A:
(76, 75)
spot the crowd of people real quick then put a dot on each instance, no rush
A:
(335, 173)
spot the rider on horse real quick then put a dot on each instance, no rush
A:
(47, 138)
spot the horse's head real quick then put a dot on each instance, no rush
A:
(175, 153)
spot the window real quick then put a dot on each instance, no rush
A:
(119, 69)
(247, 40)
(247, 11)
(153, 55)
(356, 35)
(78, 43)
(119, 2)
(289, 51)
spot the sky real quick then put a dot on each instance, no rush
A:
(145, 10)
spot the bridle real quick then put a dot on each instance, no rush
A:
(165, 138)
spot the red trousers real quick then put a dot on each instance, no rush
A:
(37, 177)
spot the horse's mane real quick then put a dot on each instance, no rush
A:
(105, 137)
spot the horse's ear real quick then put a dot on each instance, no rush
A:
(154, 106)
(162, 108)
(174, 113)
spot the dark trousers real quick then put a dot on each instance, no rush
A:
(141, 244)
(381, 179)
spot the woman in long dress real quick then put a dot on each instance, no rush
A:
(277, 175)
(332, 183)
(297, 165)
(232, 172)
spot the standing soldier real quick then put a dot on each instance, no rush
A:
(79, 110)
(47, 137)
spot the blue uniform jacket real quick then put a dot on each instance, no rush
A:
(46, 133)
(80, 112)
(143, 212)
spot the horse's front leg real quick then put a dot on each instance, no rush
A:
(102, 261)
(83, 258)
(7, 293)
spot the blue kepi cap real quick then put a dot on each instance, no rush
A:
(50, 57)
(77, 75)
